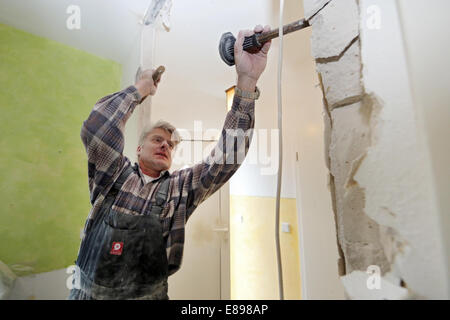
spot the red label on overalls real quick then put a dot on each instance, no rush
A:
(116, 248)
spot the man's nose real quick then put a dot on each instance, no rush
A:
(165, 144)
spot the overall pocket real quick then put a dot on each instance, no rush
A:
(132, 252)
(120, 244)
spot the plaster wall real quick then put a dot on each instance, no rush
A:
(381, 179)
(428, 67)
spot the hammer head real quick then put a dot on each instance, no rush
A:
(158, 72)
(226, 48)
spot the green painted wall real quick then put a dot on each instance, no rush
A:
(47, 90)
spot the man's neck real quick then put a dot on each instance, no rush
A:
(149, 171)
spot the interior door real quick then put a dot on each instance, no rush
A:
(204, 273)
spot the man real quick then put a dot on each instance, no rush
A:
(134, 235)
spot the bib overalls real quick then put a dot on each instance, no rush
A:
(123, 256)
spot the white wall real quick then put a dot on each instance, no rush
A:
(107, 27)
(129, 68)
(397, 173)
(401, 167)
(193, 87)
(42, 286)
(427, 50)
(305, 122)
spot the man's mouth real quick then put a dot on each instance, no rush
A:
(161, 154)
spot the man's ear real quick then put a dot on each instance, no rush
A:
(138, 150)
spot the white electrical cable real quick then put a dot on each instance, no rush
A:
(280, 153)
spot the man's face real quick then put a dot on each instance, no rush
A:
(156, 151)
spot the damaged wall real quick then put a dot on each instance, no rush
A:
(380, 175)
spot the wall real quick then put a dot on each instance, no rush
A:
(381, 178)
(428, 67)
(253, 261)
(110, 29)
(47, 91)
(304, 182)
(304, 114)
(107, 28)
(130, 67)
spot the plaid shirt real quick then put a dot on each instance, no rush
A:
(103, 138)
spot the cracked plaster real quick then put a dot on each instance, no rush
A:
(380, 190)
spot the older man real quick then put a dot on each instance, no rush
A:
(134, 235)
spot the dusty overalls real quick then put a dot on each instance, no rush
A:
(123, 256)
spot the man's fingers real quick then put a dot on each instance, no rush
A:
(240, 40)
(238, 44)
(258, 28)
(247, 33)
(266, 46)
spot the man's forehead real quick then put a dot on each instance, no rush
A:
(158, 132)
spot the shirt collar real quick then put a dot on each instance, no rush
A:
(146, 179)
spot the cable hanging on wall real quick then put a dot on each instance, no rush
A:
(280, 153)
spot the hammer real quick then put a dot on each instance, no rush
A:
(157, 74)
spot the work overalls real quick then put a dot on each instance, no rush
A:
(123, 256)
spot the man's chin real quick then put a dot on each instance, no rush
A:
(162, 165)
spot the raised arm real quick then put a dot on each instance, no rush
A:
(203, 179)
(102, 132)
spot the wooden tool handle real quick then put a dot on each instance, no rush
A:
(297, 25)
(157, 74)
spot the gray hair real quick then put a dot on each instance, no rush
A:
(175, 136)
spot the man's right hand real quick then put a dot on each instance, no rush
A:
(145, 84)
(250, 66)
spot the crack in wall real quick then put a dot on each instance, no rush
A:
(327, 137)
(347, 101)
(348, 89)
(317, 12)
(369, 166)
(341, 259)
(364, 248)
(340, 55)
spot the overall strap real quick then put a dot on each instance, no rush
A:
(109, 199)
(112, 194)
(161, 195)
(121, 180)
